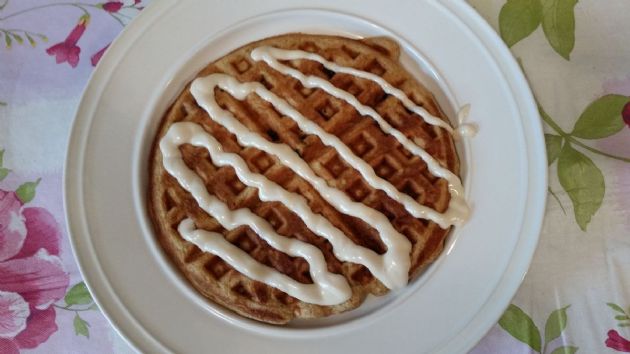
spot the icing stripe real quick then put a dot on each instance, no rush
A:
(327, 288)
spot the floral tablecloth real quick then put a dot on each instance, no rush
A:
(576, 296)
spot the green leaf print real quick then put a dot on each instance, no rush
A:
(81, 326)
(7, 40)
(31, 40)
(520, 326)
(4, 172)
(580, 190)
(17, 38)
(623, 316)
(78, 295)
(554, 145)
(558, 23)
(556, 323)
(565, 350)
(518, 19)
(615, 307)
(26, 192)
(583, 182)
(602, 118)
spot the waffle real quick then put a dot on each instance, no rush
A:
(169, 203)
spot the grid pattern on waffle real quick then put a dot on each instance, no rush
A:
(216, 279)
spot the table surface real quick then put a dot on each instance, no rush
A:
(576, 295)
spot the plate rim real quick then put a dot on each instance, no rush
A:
(147, 18)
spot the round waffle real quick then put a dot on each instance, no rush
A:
(170, 203)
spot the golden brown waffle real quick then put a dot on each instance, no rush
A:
(169, 203)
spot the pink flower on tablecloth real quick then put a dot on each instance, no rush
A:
(617, 342)
(68, 50)
(97, 56)
(112, 6)
(32, 276)
(625, 113)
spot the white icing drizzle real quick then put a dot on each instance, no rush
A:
(455, 214)
(392, 268)
(327, 288)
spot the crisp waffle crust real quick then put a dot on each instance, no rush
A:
(169, 203)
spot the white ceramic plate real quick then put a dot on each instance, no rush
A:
(446, 45)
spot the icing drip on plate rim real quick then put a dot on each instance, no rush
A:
(391, 268)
